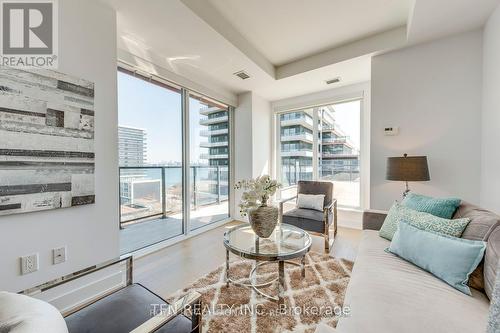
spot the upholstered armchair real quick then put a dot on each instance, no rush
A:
(314, 221)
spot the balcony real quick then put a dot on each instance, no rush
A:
(207, 133)
(151, 202)
(206, 144)
(339, 155)
(205, 156)
(215, 120)
(334, 128)
(306, 137)
(301, 121)
(298, 153)
(212, 109)
(334, 140)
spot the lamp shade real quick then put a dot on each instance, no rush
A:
(407, 168)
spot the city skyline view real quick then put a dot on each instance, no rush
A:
(157, 111)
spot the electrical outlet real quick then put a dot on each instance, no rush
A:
(29, 264)
(59, 255)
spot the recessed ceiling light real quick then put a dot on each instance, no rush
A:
(334, 80)
(242, 75)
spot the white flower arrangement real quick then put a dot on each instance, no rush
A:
(259, 190)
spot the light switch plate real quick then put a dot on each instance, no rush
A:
(59, 255)
(29, 263)
(391, 131)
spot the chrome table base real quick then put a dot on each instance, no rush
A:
(256, 286)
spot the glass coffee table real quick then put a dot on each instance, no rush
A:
(285, 243)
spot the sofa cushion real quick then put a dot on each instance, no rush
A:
(122, 311)
(442, 207)
(481, 225)
(311, 201)
(389, 294)
(491, 261)
(449, 258)
(494, 316)
(482, 222)
(421, 220)
(314, 187)
(307, 219)
(24, 314)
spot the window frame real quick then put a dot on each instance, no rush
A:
(355, 92)
(186, 93)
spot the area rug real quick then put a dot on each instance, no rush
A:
(316, 298)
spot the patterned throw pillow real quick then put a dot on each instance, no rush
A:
(441, 207)
(421, 220)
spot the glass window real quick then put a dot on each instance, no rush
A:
(295, 149)
(340, 150)
(209, 161)
(337, 138)
(149, 116)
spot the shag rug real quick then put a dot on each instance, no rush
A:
(317, 298)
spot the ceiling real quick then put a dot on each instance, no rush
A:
(310, 26)
(289, 47)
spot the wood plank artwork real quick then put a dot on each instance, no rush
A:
(46, 141)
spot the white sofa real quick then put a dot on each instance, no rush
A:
(388, 294)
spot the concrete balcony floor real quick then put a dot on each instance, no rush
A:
(151, 231)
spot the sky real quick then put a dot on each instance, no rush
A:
(347, 116)
(158, 111)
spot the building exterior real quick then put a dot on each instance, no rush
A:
(296, 136)
(215, 150)
(338, 158)
(132, 152)
(132, 146)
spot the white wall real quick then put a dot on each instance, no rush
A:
(252, 141)
(433, 93)
(261, 134)
(87, 49)
(490, 175)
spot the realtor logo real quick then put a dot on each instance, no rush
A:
(29, 33)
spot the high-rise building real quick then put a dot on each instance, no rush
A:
(132, 152)
(132, 146)
(216, 121)
(296, 133)
(338, 158)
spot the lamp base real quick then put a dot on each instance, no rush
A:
(407, 190)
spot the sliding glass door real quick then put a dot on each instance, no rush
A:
(154, 140)
(209, 161)
(339, 150)
(321, 143)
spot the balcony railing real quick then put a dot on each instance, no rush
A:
(211, 132)
(342, 139)
(156, 191)
(213, 120)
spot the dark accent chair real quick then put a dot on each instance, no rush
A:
(313, 221)
(129, 308)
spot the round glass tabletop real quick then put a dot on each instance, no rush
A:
(286, 242)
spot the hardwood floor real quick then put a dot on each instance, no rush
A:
(177, 266)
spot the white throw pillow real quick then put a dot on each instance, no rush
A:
(24, 314)
(311, 201)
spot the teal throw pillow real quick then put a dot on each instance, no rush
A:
(421, 220)
(449, 258)
(442, 207)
